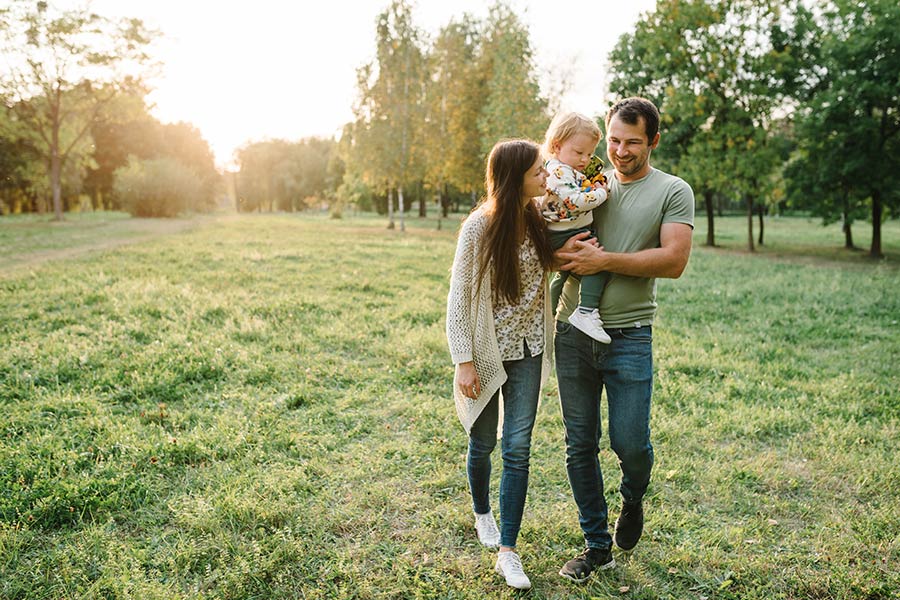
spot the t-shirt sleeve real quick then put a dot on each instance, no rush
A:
(679, 206)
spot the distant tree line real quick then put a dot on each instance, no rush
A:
(768, 106)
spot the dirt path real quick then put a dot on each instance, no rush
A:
(83, 238)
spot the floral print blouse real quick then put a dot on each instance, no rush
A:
(524, 320)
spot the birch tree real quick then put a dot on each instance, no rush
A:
(389, 114)
(455, 94)
(512, 106)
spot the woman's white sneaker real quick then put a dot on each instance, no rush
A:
(510, 566)
(486, 526)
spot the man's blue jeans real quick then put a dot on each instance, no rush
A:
(625, 368)
(520, 400)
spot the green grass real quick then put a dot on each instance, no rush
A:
(802, 238)
(258, 407)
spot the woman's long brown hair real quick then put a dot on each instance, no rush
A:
(507, 165)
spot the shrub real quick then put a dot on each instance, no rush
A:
(160, 187)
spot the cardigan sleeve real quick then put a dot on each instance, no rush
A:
(460, 321)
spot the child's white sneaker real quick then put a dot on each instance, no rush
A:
(510, 566)
(486, 526)
(590, 324)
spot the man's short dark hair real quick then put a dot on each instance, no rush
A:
(632, 110)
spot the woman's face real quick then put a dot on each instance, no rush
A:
(535, 180)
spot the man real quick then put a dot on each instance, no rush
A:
(645, 232)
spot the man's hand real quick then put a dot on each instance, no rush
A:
(585, 257)
(572, 245)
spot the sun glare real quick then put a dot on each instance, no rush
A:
(280, 70)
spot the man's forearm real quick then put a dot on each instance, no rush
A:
(668, 260)
(654, 262)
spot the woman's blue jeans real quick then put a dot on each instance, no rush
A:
(520, 400)
(625, 368)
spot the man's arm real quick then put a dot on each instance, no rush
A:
(669, 260)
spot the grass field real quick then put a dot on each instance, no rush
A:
(258, 407)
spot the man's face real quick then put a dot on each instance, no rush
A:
(628, 148)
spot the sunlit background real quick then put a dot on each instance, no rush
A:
(248, 71)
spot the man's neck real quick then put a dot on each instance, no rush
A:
(635, 177)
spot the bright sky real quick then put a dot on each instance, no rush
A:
(246, 71)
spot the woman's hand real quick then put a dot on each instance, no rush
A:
(467, 380)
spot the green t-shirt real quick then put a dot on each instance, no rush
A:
(629, 221)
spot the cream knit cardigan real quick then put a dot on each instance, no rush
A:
(470, 325)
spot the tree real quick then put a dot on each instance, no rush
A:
(715, 69)
(282, 175)
(126, 130)
(65, 67)
(848, 127)
(389, 117)
(512, 105)
(184, 143)
(17, 162)
(263, 179)
(454, 99)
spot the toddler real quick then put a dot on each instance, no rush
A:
(571, 196)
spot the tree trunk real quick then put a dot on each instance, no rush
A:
(848, 233)
(423, 203)
(390, 208)
(845, 223)
(445, 201)
(875, 250)
(762, 209)
(750, 246)
(400, 207)
(710, 218)
(56, 184)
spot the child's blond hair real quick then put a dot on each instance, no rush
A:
(564, 126)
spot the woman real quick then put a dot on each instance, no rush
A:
(500, 332)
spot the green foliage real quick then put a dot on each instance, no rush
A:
(161, 187)
(714, 68)
(849, 127)
(64, 68)
(389, 121)
(455, 97)
(281, 175)
(432, 114)
(512, 104)
(180, 422)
